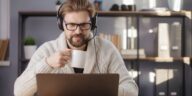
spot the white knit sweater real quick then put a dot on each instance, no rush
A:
(108, 59)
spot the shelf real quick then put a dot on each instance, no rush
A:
(4, 63)
(37, 13)
(143, 13)
(114, 13)
(156, 59)
(187, 60)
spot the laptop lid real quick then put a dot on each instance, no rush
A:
(77, 84)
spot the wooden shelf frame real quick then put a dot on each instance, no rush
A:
(115, 13)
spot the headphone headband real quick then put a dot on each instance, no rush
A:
(60, 19)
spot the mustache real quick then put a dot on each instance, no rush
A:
(78, 35)
(84, 40)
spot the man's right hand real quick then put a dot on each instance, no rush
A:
(59, 59)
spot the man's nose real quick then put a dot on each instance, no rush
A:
(78, 30)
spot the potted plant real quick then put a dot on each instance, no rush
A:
(29, 47)
(57, 3)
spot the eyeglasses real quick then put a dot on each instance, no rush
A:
(82, 26)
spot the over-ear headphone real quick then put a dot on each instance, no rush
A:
(60, 20)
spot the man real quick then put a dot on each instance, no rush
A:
(75, 18)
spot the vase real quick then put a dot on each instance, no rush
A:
(175, 5)
(29, 50)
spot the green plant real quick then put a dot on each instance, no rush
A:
(29, 41)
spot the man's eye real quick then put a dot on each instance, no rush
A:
(72, 25)
(85, 24)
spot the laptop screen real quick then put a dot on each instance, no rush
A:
(77, 84)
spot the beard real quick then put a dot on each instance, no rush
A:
(78, 40)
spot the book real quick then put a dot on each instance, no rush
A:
(4, 47)
(1, 44)
(175, 39)
(163, 40)
(161, 82)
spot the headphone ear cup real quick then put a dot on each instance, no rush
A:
(93, 22)
(60, 23)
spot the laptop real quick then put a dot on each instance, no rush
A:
(77, 84)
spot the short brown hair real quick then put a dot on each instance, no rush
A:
(75, 6)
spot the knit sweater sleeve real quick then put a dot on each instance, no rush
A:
(25, 84)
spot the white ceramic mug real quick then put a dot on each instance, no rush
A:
(78, 58)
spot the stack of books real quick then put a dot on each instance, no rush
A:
(114, 38)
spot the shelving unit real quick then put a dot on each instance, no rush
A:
(24, 15)
(143, 66)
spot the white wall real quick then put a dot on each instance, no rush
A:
(4, 19)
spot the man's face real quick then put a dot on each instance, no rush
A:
(77, 27)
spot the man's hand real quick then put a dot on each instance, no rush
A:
(59, 59)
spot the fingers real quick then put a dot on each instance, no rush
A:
(62, 60)
(66, 55)
(59, 59)
(66, 52)
(65, 59)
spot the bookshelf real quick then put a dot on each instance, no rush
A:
(138, 14)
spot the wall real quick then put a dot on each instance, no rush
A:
(4, 19)
(0, 16)
(9, 74)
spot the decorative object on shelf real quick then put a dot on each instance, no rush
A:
(175, 5)
(163, 40)
(57, 3)
(132, 34)
(132, 51)
(98, 5)
(130, 5)
(114, 38)
(124, 7)
(152, 4)
(124, 41)
(114, 7)
(29, 47)
(175, 39)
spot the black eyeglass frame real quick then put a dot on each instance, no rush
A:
(82, 26)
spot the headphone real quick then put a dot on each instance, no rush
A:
(60, 20)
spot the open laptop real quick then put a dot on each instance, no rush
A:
(77, 84)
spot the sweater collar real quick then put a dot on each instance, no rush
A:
(62, 44)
